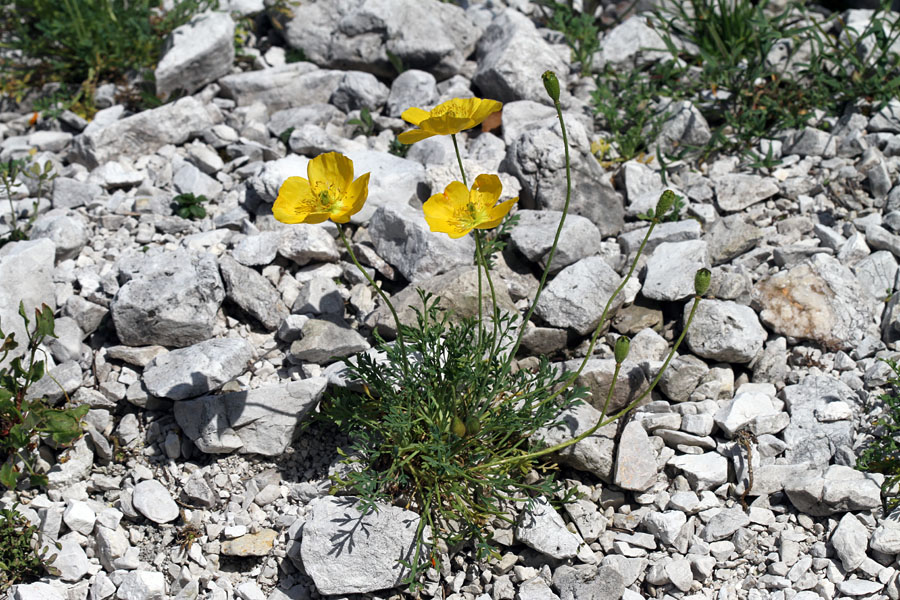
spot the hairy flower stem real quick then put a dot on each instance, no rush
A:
(600, 421)
(384, 297)
(552, 253)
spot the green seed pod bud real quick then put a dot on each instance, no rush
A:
(551, 84)
(623, 345)
(458, 427)
(665, 203)
(473, 426)
(701, 281)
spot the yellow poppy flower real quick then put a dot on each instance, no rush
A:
(329, 193)
(458, 210)
(448, 118)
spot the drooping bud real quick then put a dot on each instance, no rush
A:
(701, 281)
(473, 426)
(666, 201)
(623, 345)
(551, 84)
(458, 427)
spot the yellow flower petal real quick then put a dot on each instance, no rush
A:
(415, 115)
(484, 110)
(294, 201)
(354, 199)
(496, 214)
(486, 190)
(330, 169)
(414, 135)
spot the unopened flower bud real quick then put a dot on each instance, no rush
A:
(623, 344)
(473, 426)
(551, 84)
(458, 427)
(665, 203)
(701, 281)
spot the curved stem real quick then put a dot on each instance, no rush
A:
(462, 171)
(384, 297)
(601, 422)
(552, 252)
(482, 263)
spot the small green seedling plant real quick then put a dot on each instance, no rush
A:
(25, 422)
(189, 206)
(882, 455)
(443, 421)
(365, 124)
(10, 172)
(580, 30)
(23, 556)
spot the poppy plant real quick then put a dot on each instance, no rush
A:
(448, 118)
(458, 210)
(329, 193)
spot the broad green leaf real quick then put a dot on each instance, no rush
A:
(8, 475)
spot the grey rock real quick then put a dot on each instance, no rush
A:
(312, 139)
(502, 74)
(76, 465)
(859, 587)
(424, 34)
(71, 560)
(260, 421)
(537, 159)
(575, 298)
(809, 439)
(850, 540)
(876, 274)
(26, 276)
(66, 229)
(402, 238)
(253, 293)
(116, 175)
(886, 538)
(540, 527)
(313, 114)
(197, 53)
(358, 90)
(682, 376)
(36, 591)
(458, 289)
(142, 585)
(188, 179)
(684, 127)
(680, 574)
(665, 526)
(60, 380)
(259, 249)
(886, 119)
(588, 582)
(71, 193)
(304, 244)
(671, 270)
(737, 191)
(835, 489)
(144, 133)
(703, 471)
(279, 88)
(154, 501)
(731, 236)
(111, 545)
(169, 298)
(593, 454)
(86, 314)
(534, 233)
(197, 369)
(393, 181)
(324, 341)
(319, 296)
(80, 517)
(874, 167)
(412, 87)
(724, 331)
(679, 231)
(535, 589)
(632, 43)
(635, 459)
(725, 523)
(750, 401)
(346, 551)
(810, 141)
